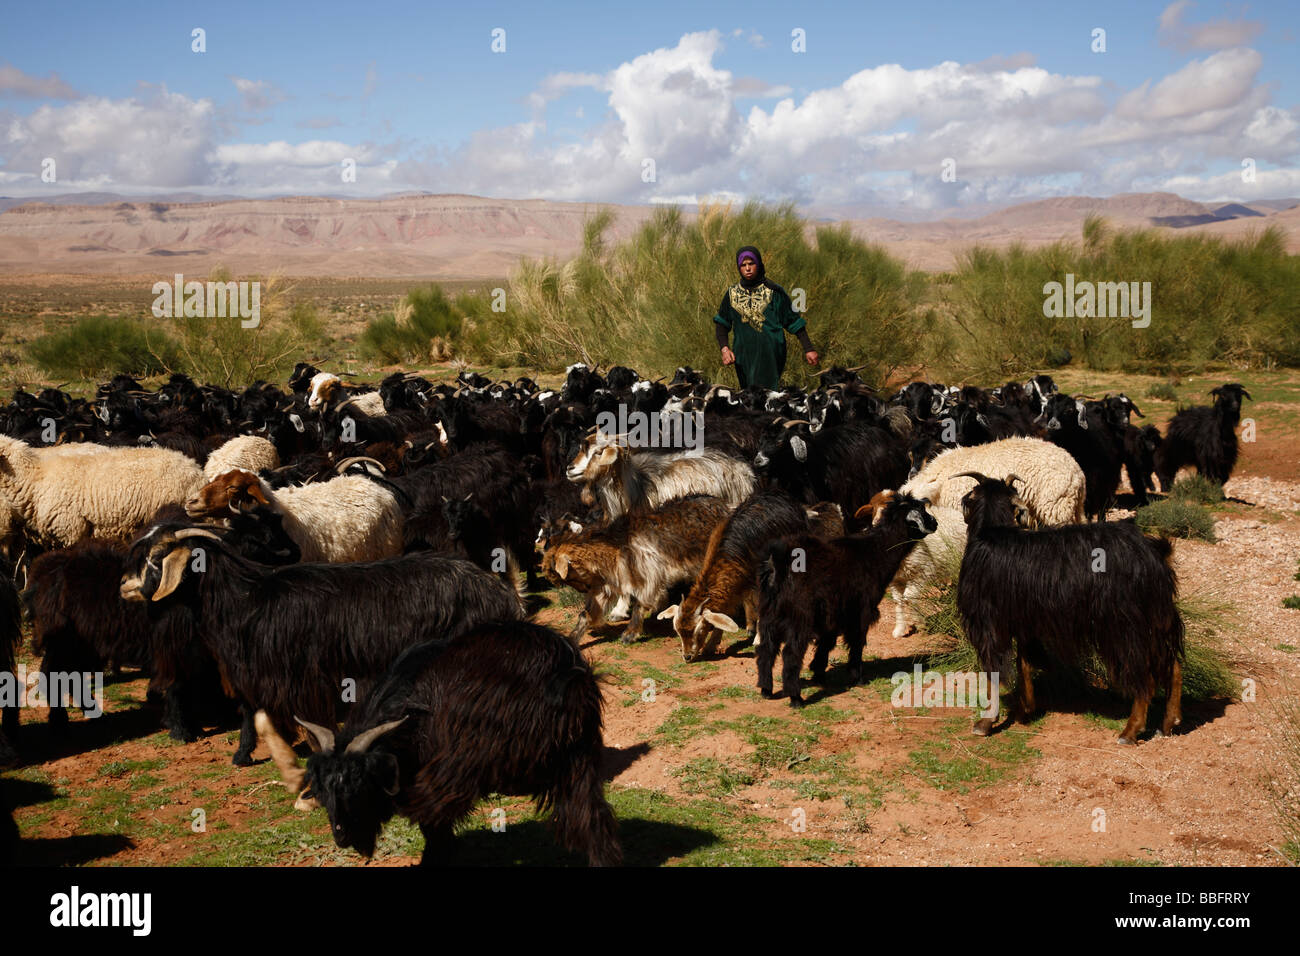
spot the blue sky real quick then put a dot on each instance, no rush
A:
(712, 93)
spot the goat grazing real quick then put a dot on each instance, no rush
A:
(729, 577)
(510, 707)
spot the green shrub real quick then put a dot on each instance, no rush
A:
(1163, 390)
(221, 351)
(647, 302)
(423, 329)
(1292, 602)
(1212, 300)
(1197, 489)
(1179, 519)
(99, 347)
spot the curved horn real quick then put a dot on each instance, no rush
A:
(1012, 476)
(348, 462)
(969, 474)
(856, 368)
(361, 743)
(796, 421)
(324, 736)
(184, 533)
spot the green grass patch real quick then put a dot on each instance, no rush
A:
(98, 347)
(1178, 519)
(947, 763)
(717, 778)
(1292, 602)
(117, 769)
(1163, 391)
(1197, 489)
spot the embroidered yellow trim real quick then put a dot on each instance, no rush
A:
(751, 305)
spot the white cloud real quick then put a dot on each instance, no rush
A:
(1213, 35)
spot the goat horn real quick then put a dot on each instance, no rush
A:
(324, 736)
(184, 533)
(970, 474)
(796, 421)
(856, 368)
(348, 462)
(1012, 476)
(361, 743)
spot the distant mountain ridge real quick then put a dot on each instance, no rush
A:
(459, 236)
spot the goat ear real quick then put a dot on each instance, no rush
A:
(608, 455)
(562, 566)
(864, 513)
(668, 612)
(1083, 414)
(173, 569)
(720, 621)
(799, 447)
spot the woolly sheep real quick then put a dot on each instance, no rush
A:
(1053, 483)
(349, 518)
(248, 452)
(108, 494)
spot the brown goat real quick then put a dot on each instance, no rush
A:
(638, 557)
(729, 578)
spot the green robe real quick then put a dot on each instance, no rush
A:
(758, 320)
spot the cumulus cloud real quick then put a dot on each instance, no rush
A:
(14, 82)
(1213, 35)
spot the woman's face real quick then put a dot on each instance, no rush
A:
(749, 268)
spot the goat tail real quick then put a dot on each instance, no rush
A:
(774, 567)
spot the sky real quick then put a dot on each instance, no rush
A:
(928, 105)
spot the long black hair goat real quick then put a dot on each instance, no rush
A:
(287, 638)
(1203, 436)
(511, 707)
(809, 586)
(1067, 593)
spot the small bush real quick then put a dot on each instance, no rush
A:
(422, 329)
(1178, 519)
(1292, 603)
(100, 347)
(1197, 489)
(1163, 390)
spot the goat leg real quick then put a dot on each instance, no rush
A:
(1025, 705)
(1137, 720)
(1174, 704)
(632, 633)
(247, 737)
(856, 640)
(821, 656)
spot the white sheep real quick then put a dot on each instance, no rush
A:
(248, 452)
(62, 495)
(349, 518)
(926, 561)
(1052, 485)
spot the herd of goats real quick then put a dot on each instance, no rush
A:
(354, 562)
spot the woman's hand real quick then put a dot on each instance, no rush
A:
(728, 356)
(812, 358)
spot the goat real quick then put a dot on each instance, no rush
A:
(1043, 590)
(729, 576)
(622, 480)
(638, 557)
(1203, 436)
(287, 638)
(509, 707)
(1096, 448)
(809, 587)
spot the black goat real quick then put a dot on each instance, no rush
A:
(511, 707)
(1203, 436)
(809, 586)
(1044, 590)
(847, 464)
(288, 638)
(1096, 447)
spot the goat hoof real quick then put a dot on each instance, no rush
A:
(1125, 742)
(767, 694)
(982, 728)
(629, 638)
(242, 760)
(797, 702)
